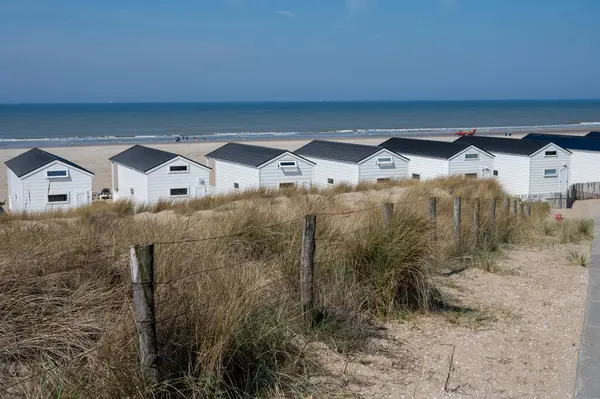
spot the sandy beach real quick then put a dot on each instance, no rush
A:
(95, 158)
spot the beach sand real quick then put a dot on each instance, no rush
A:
(95, 158)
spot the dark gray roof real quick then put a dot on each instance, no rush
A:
(504, 145)
(246, 154)
(593, 135)
(35, 159)
(338, 151)
(566, 141)
(144, 159)
(426, 148)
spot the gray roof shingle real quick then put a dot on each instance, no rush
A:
(504, 145)
(338, 151)
(144, 159)
(426, 148)
(245, 154)
(35, 159)
(566, 141)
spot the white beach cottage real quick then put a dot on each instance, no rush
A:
(244, 166)
(526, 167)
(145, 175)
(585, 155)
(338, 162)
(39, 181)
(430, 159)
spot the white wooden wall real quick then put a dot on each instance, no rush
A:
(130, 178)
(370, 171)
(15, 192)
(36, 188)
(340, 172)
(228, 173)
(513, 172)
(458, 165)
(585, 166)
(161, 181)
(426, 167)
(539, 184)
(271, 174)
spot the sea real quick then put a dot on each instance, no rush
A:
(48, 125)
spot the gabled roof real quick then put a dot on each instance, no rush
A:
(426, 148)
(144, 159)
(504, 145)
(338, 151)
(247, 154)
(568, 142)
(34, 159)
(593, 135)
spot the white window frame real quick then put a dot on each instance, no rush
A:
(187, 169)
(384, 161)
(550, 156)
(287, 164)
(330, 180)
(471, 157)
(555, 174)
(187, 192)
(57, 170)
(67, 201)
(472, 175)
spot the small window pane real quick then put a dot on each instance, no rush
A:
(384, 160)
(471, 156)
(471, 175)
(131, 191)
(287, 164)
(287, 185)
(383, 179)
(329, 180)
(178, 192)
(550, 172)
(416, 176)
(56, 173)
(551, 153)
(495, 173)
(178, 168)
(236, 185)
(57, 198)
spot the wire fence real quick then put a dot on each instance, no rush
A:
(142, 262)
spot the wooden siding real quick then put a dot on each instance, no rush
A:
(538, 183)
(370, 171)
(459, 165)
(228, 173)
(15, 192)
(426, 167)
(585, 166)
(513, 172)
(340, 172)
(161, 181)
(271, 174)
(132, 179)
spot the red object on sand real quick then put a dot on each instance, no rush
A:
(559, 217)
(466, 133)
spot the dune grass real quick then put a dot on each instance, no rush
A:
(229, 319)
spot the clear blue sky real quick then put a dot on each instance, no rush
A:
(228, 50)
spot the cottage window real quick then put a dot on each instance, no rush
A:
(416, 176)
(471, 175)
(495, 173)
(56, 174)
(383, 179)
(178, 169)
(288, 164)
(54, 198)
(179, 192)
(329, 180)
(550, 173)
(551, 154)
(384, 161)
(131, 191)
(471, 156)
(287, 185)
(236, 185)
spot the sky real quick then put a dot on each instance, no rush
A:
(297, 50)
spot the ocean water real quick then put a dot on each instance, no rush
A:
(27, 125)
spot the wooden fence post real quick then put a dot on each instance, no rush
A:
(307, 267)
(476, 222)
(515, 206)
(522, 210)
(493, 214)
(507, 207)
(457, 202)
(142, 278)
(388, 212)
(529, 209)
(433, 220)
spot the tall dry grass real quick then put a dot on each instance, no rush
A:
(228, 315)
